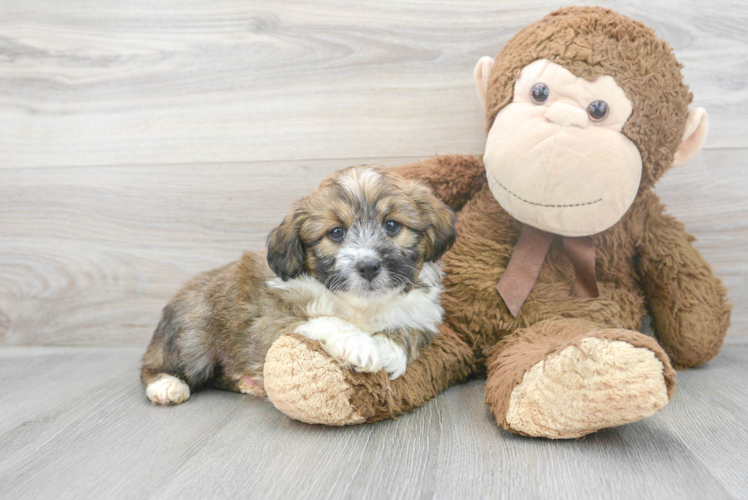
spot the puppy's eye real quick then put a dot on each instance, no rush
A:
(337, 234)
(392, 227)
(597, 111)
(540, 93)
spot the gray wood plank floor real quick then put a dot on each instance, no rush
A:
(74, 423)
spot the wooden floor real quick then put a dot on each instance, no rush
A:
(74, 423)
(143, 142)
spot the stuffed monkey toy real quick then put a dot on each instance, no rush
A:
(562, 246)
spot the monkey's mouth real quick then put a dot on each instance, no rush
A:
(542, 204)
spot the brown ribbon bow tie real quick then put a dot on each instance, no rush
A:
(527, 259)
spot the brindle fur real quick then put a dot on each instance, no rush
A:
(220, 325)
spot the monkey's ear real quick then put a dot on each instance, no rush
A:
(442, 234)
(285, 251)
(694, 136)
(480, 74)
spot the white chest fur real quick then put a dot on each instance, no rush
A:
(418, 309)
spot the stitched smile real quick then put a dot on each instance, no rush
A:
(541, 204)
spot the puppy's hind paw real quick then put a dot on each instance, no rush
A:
(252, 385)
(167, 390)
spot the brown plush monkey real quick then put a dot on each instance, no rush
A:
(586, 110)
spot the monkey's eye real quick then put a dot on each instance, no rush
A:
(540, 93)
(392, 227)
(597, 110)
(337, 234)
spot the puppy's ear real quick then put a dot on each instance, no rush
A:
(285, 250)
(442, 233)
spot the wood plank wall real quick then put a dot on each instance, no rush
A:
(144, 142)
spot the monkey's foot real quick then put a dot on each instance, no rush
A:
(603, 379)
(303, 382)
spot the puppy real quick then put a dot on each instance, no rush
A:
(352, 266)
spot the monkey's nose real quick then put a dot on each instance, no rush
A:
(566, 115)
(369, 269)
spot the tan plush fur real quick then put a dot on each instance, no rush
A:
(645, 263)
(326, 389)
(514, 356)
(599, 383)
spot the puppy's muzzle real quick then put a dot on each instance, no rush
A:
(368, 269)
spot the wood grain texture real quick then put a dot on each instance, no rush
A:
(115, 100)
(89, 432)
(90, 255)
(144, 83)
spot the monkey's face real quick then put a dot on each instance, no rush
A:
(556, 158)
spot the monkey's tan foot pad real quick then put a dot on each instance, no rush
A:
(596, 384)
(306, 384)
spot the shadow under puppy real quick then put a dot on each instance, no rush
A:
(352, 265)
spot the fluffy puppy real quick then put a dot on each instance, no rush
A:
(352, 265)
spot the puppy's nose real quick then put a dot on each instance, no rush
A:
(369, 269)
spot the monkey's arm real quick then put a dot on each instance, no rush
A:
(688, 304)
(453, 178)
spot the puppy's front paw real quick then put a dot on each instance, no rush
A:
(323, 327)
(393, 357)
(356, 350)
(344, 341)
